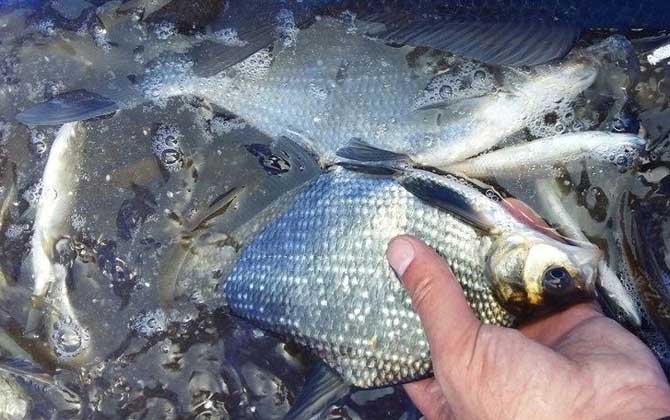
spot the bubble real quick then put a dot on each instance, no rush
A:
(229, 37)
(69, 338)
(99, 34)
(32, 194)
(149, 324)
(318, 91)
(446, 91)
(225, 124)
(38, 142)
(164, 30)
(286, 28)
(46, 27)
(256, 67)
(166, 145)
(15, 231)
(479, 75)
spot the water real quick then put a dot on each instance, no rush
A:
(144, 178)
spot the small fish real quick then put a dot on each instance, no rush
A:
(51, 248)
(539, 158)
(612, 293)
(48, 394)
(314, 269)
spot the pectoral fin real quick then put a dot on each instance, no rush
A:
(448, 195)
(323, 387)
(77, 105)
(361, 151)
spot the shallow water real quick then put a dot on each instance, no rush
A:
(146, 174)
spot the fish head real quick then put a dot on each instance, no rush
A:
(534, 274)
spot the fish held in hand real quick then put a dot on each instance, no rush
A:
(317, 274)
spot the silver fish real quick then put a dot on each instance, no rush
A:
(315, 270)
(332, 86)
(539, 158)
(69, 339)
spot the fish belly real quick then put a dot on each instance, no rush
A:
(317, 274)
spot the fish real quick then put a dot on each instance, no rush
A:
(52, 255)
(314, 271)
(613, 296)
(48, 396)
(539, 157)
(15, 403)
(385, 96)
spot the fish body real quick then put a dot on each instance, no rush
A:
(541, 156)
(51, 248)
(333, 86)
(316, 272)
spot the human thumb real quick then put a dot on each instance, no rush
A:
(436, 295)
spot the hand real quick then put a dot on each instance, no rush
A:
(577, 364)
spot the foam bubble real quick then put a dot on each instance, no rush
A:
(256, 66)
(286, 28)
(149, 324)
(165, 30)
(229, 37)
(166, 145)
(224, 124)
(69, 338)
(466, 80)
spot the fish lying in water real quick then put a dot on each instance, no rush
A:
(360, 89)
(315, 272)
(438, 108)
(52, 252)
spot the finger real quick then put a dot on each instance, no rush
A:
(436, 295)
(429, 399)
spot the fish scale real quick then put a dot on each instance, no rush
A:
(317, 274)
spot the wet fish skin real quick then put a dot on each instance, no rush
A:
(51, 249)
(362, 89)
(317, 274)
(538, 158)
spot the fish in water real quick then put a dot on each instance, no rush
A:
(540, 157)
(52, 253)
(314, 269)
(385, 96)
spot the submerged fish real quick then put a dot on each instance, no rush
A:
(315, 270)
(52, 254)
(538, 158)
(48, 397)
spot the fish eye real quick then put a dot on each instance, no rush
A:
(557, 280)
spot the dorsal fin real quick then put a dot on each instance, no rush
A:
(511, 43)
